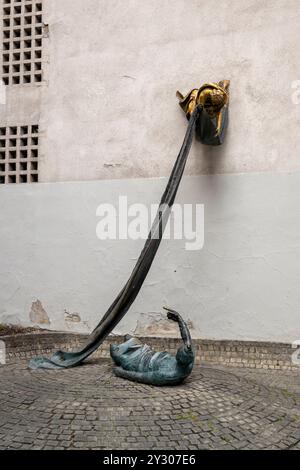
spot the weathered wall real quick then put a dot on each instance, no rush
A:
(110, 110)
(244, 284)
(107, 106)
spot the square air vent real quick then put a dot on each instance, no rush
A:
(22, 42)
(19, 151)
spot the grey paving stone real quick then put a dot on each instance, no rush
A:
(89, 408)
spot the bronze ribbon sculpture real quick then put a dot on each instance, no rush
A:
(206, 110)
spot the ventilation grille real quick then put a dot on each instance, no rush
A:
(22, 42)
(19, 154)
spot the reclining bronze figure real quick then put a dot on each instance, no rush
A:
(138, 362)
(206, 110)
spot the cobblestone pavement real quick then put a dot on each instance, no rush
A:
(87, 407)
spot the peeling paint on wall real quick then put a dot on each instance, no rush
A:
(45, 30)
(156, 324)
(74, 323)
(72, 317)
(38, 314)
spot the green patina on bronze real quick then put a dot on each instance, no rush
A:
(138, 362)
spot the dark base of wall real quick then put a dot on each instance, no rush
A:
(251, 354)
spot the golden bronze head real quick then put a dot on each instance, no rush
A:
(212, 96)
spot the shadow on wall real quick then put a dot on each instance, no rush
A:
(210, 157)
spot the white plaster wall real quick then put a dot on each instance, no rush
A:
(107, 111)
(244, 284)
(109, 108)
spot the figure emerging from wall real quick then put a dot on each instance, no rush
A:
(138, 362)
(212, 124)
(206, 110)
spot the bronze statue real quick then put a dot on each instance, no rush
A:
(138, 362)
(207, 111)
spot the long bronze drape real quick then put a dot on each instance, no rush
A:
(126, 297)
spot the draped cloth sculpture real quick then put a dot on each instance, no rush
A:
(127, 295)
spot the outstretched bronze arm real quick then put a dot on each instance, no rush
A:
(184, 331)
